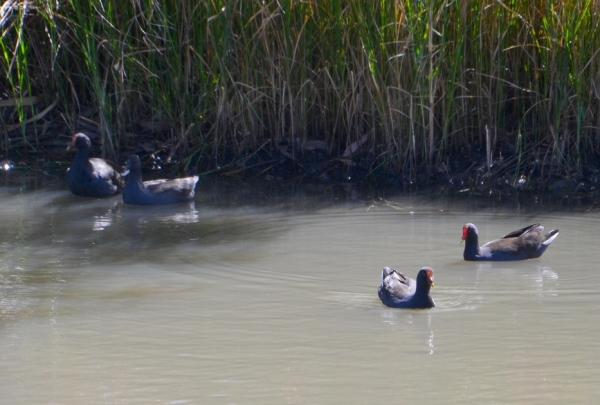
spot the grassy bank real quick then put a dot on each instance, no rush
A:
(393, 87)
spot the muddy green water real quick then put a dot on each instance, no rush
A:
(247, 298)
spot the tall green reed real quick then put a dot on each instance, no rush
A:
(15, 49)
(424, 80)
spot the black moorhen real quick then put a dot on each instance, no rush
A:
(91, 177)
(155, 192)
(526, 243)
(398, 291)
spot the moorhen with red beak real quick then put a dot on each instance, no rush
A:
(526, 243)
(399, 291)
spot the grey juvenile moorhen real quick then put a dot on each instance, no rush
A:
(91, 177)
(398, 291)
(155, 192)
(526, 243)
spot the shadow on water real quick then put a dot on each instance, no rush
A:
(46, 236)
(104, 231)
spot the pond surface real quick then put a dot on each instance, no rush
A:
(254, 297)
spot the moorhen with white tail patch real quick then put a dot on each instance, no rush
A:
(399, 291)
(526, 243)
(155, 192)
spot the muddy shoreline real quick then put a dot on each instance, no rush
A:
(469, 172)
(268, 191)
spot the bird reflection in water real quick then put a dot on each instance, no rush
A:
(186, 215)
(146, 223)
(101, 222)
(420, 324)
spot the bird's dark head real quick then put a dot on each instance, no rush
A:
(468, 230)
(80, 141)
(132, 165)
(425, 276)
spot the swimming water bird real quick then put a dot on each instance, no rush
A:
(399, 291)
(91, 177)
(526, 243)
(155, 192)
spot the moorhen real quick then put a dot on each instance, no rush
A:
(398, 291)
(155, 192)
(91, 177)
(526, 243)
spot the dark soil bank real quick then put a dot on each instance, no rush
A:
(267, 175)
(468, 171)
